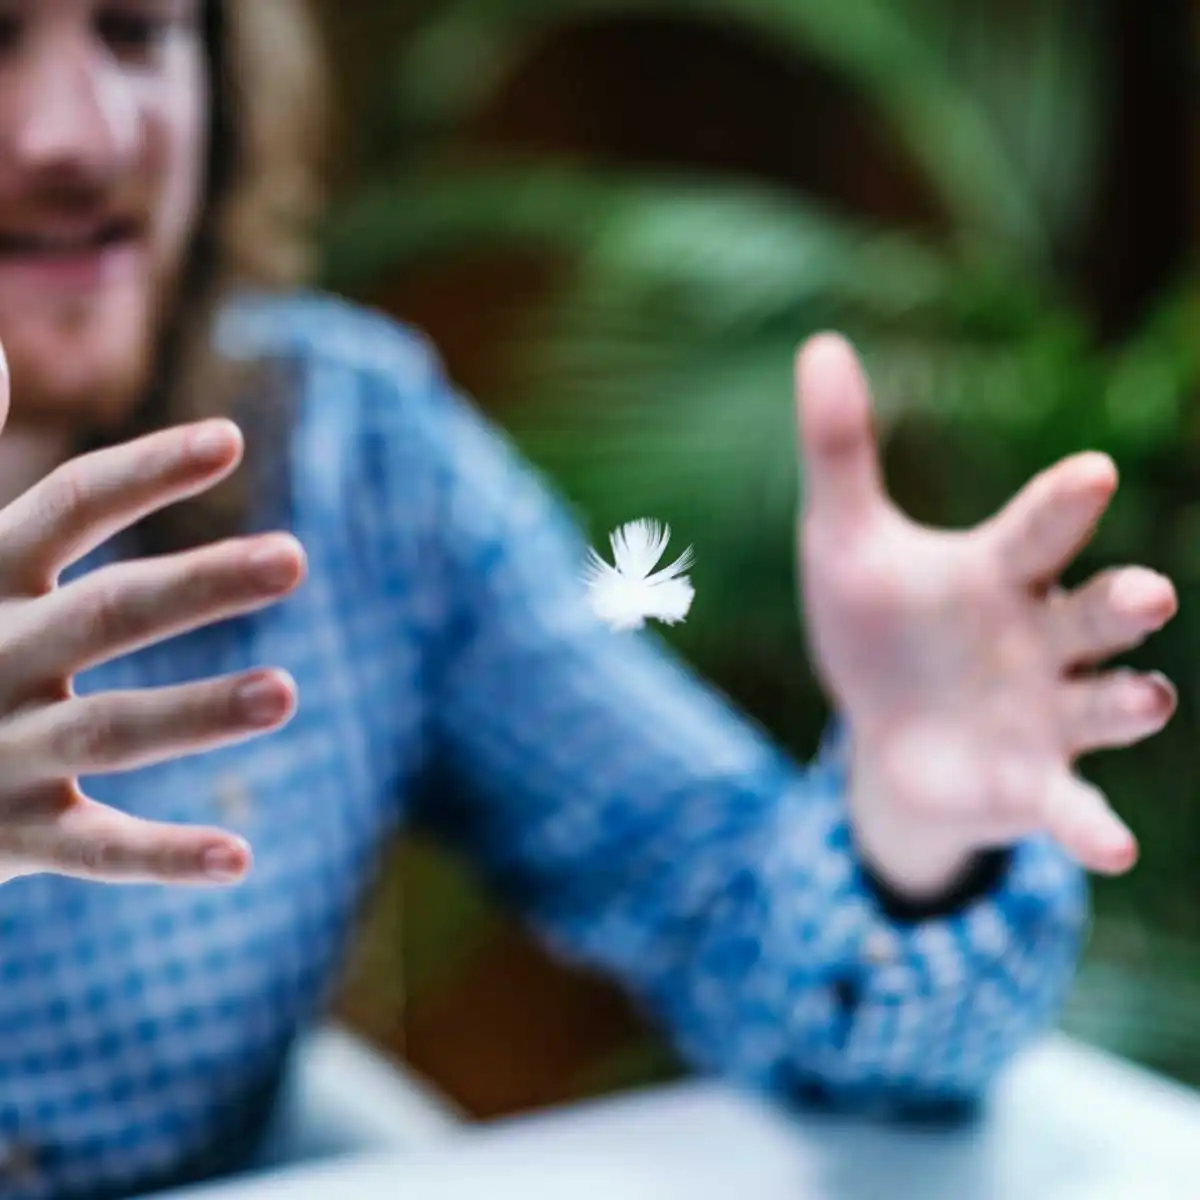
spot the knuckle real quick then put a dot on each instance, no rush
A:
(92, 737)
(168, 862)
(81, 856)
(202, 710)
(105, 618)
(14, 848)
(203, 584)
(64, 496)
(188, 584)
(96, 855)
(221, 708)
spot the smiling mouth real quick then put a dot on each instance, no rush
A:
(63, 244)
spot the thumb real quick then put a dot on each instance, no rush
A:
(838, 452)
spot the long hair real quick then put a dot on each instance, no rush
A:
(267, 141)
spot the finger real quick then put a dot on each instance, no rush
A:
(838, 450)
(87, 500)
(1113, 710)
(122, 608)
(121, 731)
(1051, 519)
(1114, 611)
(5, 388)
(92, 841)
(1080, 819)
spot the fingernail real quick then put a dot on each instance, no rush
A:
(1150, 696)
(212, 441)
(1119, 852)
(1143, 589)
(1164, 690)
(224, 864)
(1097, 470)
(262, 700)
(273, 565)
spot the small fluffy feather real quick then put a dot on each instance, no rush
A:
(629, 593)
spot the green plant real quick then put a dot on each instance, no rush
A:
(656, 379)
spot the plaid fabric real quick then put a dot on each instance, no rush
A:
(450, 673)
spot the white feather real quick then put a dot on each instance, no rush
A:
(629, 591)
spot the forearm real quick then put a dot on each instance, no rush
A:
(763, 947)
(651, 832)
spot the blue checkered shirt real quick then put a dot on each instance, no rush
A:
(450, 671)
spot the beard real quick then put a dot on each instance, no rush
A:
(83, 365)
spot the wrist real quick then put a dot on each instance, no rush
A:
(915, 858)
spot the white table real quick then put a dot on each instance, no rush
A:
(1066, 1123)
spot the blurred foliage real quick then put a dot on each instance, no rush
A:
(656, 377)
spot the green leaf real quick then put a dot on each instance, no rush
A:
(468, 47)
(1037, 69)
(723, 253)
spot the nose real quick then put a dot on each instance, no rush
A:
(76, 115)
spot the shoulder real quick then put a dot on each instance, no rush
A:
(377, 415)
(360, 376)
(326, 334)
(363, 371)
(367, 408)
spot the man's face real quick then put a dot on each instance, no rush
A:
(103, 121)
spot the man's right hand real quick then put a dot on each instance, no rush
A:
(48, 735)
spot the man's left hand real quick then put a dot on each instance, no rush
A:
(971, 682)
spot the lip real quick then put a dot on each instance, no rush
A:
(68, 259)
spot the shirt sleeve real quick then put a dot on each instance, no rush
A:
(650, 831)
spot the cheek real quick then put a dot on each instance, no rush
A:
(177, 147)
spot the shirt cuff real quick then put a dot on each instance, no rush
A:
(984, 875)
(925, 1012)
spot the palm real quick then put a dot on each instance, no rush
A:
(960, 667)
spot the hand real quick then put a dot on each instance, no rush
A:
(49, 736)
(969, 679)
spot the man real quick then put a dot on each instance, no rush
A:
(882, 929)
